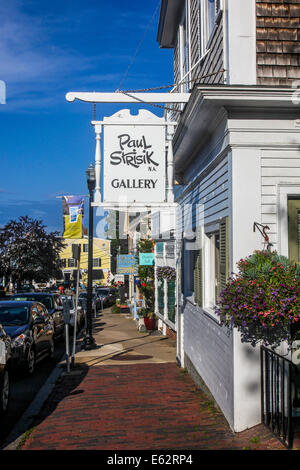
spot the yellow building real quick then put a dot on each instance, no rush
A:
(101, 260)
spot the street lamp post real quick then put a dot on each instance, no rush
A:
(89, 342)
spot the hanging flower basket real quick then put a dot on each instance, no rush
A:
(263, 300)
(166, 272)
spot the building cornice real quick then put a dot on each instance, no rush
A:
(198, 119)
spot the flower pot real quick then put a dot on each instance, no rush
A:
(150, 323)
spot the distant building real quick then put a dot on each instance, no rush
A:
(101, 260)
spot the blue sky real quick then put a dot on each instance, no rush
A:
(48, 48)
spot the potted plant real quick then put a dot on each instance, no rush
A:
(146, 287)
(263, 299)
(149, 318)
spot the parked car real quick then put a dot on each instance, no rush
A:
(53, 304)
(5, 368)
(96, 305)
(108, 295)
(70, 300)
(26, 288)
(30, 328)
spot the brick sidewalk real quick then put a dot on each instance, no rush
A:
(137, 406)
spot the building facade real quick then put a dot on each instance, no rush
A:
(101, 260)
(237, 162)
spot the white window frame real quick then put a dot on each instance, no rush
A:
(96, 262)
(72, 263)
(185, 43)
(284, 190)
(206, 36)
(209, 272)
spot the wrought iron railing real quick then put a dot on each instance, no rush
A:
(277, 389)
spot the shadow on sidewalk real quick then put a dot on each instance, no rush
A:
(67, 386)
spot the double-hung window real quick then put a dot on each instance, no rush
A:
(208, 13)
(96, 262)
(209, 265)
(72, 263)
(294, 229)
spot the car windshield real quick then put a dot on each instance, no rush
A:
(46, 300)
(14, 316)
(103, 292)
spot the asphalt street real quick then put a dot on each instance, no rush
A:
(24, 388)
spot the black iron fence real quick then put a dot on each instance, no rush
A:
(277, 392)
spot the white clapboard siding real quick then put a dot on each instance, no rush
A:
(208, 200)
(209, 348)
(277, 168)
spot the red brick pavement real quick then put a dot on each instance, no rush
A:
(137, 406)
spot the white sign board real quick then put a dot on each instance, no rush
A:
(119, 278)
(134, 160)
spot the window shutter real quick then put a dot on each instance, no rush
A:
(198, 278)
(224, 253)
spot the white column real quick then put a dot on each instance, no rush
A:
(98, 130)
(165, 295)
(170, 164)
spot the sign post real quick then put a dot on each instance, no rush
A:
(66, 308)
(76, 250)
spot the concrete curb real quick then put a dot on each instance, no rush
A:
(16, 435)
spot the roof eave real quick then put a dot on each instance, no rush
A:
(170, 15)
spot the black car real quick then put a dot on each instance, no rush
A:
(108, 295)
(5, 365)
(53, 304)
(96, 304)
(30, 328)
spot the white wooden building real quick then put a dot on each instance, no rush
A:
(237, 159)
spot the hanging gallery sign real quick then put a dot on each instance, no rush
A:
(127, 264)
(134, 158)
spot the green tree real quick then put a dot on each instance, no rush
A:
(27, 252)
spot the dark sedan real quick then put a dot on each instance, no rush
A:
(95, 301)
(30, 328)
(107, 295)
(53, 304)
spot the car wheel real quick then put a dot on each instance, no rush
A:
(30, 361)
(4, 392)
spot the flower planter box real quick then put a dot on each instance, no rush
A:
(124, 309)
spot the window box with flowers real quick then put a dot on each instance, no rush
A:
(263, 299)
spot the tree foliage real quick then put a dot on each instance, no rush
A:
(27, 252)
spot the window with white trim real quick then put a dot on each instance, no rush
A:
(72, 263)
(206, 266)
(96, 262)
(208, 14)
